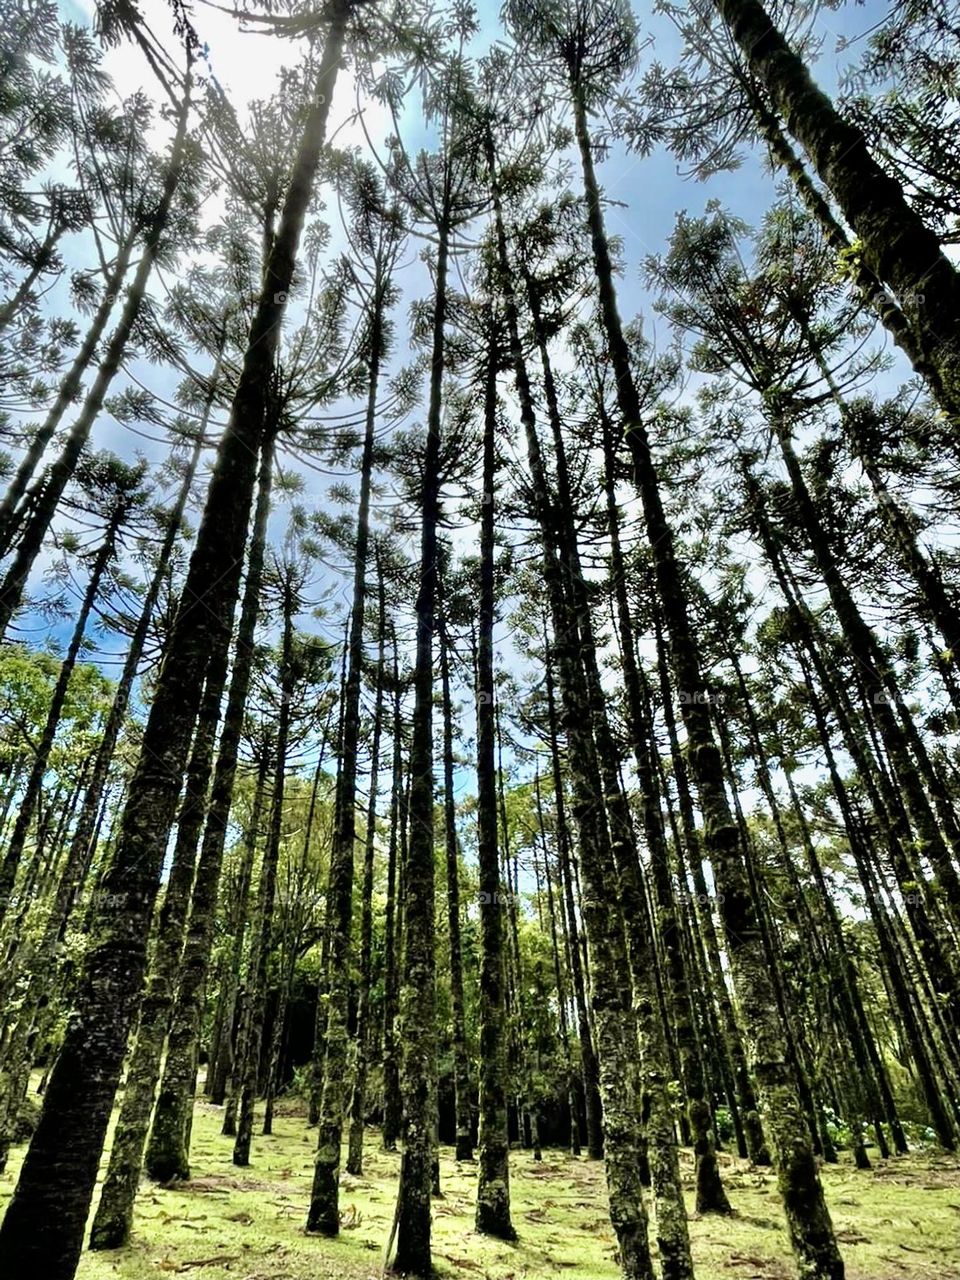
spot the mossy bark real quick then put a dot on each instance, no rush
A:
(733, 1036)
(81, 841)
(609, 981)
(808, 1219)
(258, 971)
(114, 1216)
(711, 1197)
(588, 1058)
(894, 242)
(324, 1213)
(357, 1109)
(418, 984)
(461, 1067)
(392, 1103)
(42, 1231)
(655, 1069)
(493, 1184)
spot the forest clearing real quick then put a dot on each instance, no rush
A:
(896, 1222)
(479, 633)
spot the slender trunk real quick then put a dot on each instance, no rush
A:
(808, 1218)
(256, 1008)
(588, 1057)
(493, 1184)
(41, 261)
(114, 1217)
(392, 1103)
(10, 516)
(86, 820)
(363, 1031)
(418, 999)
(323, 1215)
(711, 1197)
(461, 1068)
(656, 1099)
(559, 977)
(870, 287)
(611, 997)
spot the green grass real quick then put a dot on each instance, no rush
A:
(901, 1221)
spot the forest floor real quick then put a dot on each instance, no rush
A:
(900, 1221)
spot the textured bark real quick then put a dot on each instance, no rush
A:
(610, 994)
(864, 1033)
(114, 1216)
(392, 1103)
(655, 1070)
(816, 961)
(324, 1213)
(886, 801)
(894, 242)
(870, 287)
(42, 1231)
(903, 997)
(358, 1096)
(808, 1219)
(878, 681)
(461, 1068)
(588, 1057)
(560, 978)
(711, 1197)
(168, 1148)
(323, 980)
(418, 986)
(202, 918)
(493, 1184)
(808, 651)
(82, 843)
(255, 1009)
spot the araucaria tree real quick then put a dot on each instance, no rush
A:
(479, 639)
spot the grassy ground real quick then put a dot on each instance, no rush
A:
(900, 1221)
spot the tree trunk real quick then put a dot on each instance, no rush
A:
(323, 1215)
(114, 1217)
(611, 998)
(10, 516)
(363, 1032)
(257, 974)
(31, 792)
(461, 1067)
(418, 1000)
(893, 241)
(392, 1102)
(808, 1219)
(493, 1184)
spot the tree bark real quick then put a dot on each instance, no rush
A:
(493, 1184)
(894, 242)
